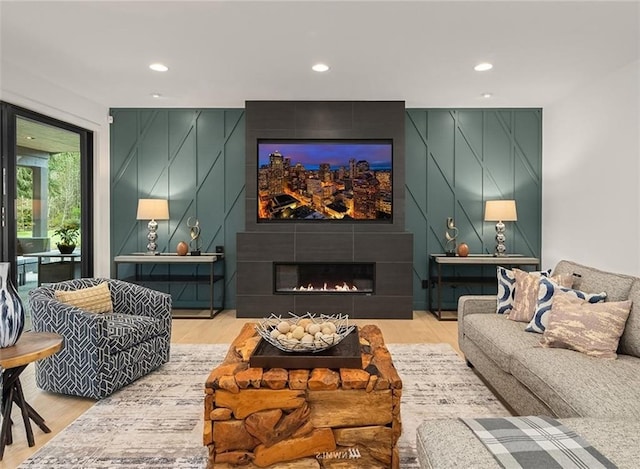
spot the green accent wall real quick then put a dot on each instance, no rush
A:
(196, 159)
(455, 160)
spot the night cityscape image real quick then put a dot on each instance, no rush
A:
(324, 180)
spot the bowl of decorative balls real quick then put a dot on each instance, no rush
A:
(307, 333)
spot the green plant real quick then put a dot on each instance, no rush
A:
(68, 234)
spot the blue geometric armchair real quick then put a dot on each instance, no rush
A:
(102, 352)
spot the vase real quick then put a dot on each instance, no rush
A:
(11, 309)
(463, 250)
(66, 248)
(182, 248)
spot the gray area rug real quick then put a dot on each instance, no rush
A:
(156, 422)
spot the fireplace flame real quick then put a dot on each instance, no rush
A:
(344, 287)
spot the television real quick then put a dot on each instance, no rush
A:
(301, 180)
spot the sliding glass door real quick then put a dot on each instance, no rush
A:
(46, 199)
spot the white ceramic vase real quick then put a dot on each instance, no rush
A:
(11, 309)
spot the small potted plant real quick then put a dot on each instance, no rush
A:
(68, 236)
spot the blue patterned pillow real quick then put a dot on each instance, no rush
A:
(545, 299)
(507, 290)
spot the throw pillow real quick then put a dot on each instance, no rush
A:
(546, 294)
(591, 328)
(525, 295)
(93, 299)
(506, 289)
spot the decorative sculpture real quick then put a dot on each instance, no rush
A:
(450, 235)
(194, 230)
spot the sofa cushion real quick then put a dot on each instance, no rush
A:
(630, 340)
(126, 331)
(498, 337)
(449, 443)
(577, 385)
(594, 329)
(592, 280)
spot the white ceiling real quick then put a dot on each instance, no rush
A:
(223, 53)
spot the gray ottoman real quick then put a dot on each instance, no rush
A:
(449, 443)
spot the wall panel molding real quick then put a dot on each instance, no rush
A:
(456, 160)
(196, 159)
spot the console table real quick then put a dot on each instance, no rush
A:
(30, 347)
(437, 261)
(151, 278)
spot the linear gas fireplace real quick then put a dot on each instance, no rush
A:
(300, 278)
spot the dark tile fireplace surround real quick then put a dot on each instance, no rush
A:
(272, 253)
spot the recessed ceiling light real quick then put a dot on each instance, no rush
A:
(30, 138)
(483, 67)
(487, 95)
(158, 67)
(320, 68)
(156, 95)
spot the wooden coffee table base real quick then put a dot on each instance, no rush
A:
(307, 418)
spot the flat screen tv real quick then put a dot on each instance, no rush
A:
(325, 180)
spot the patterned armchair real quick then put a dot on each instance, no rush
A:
(102, 352)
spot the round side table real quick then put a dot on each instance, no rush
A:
(30, 347)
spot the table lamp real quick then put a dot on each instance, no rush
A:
(152, 209)
(500, 211)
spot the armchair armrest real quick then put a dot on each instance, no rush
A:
(473, 304)
(50, 315)
(137, 300)
(131, 298)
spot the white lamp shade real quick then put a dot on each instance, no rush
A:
(500, 210)
(153, 209)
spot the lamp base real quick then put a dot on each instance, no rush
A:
(152, 237)
(501, 249)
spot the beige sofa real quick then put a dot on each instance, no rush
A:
(598, 398)
(552, 381)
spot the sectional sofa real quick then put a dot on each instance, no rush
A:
(597, 397)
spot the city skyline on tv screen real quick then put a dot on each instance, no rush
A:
(325, 180)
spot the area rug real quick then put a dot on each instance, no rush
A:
(157, 421)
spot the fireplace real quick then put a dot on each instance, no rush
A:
(309, 278)
(362, 268)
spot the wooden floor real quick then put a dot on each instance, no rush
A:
(59, 411)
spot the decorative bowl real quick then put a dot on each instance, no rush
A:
(306, 333)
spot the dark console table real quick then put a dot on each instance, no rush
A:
(437, 280)
(151, 278)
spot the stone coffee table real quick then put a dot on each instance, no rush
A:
(303, 418)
